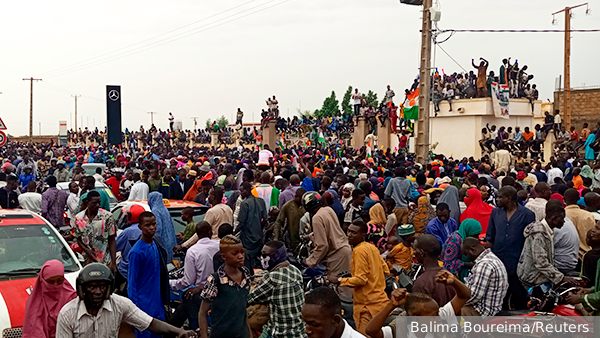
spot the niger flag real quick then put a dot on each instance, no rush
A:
(411, 109)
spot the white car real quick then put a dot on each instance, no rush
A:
(27, 241)
(111, 198)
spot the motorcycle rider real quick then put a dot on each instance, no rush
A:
(96, 303)
(536, 264)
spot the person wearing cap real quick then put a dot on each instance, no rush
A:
(99, 313)
(124, 242)
(61, 174)
(401, 255)
(26, 177)
(521, 176)
(329, 241)
(53, 166)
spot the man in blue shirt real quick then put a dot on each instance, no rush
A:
(505, 238)
(442, 226)
(125, 241)
(144, 282)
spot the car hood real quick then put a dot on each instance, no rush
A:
(13, 297)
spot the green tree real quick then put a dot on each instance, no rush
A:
(223, 122)
(331, 107)
(346, 107)
(371, 99)
(208, 123)
(305, 113)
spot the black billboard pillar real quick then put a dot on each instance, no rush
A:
(113, 114)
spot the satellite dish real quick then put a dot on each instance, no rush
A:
(412, 2)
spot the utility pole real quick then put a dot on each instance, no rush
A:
(424, 84)
(75, 96)
(31, 107)
(567, 83)
(152, 116)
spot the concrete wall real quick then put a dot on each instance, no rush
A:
(585, 106)
(458, 134)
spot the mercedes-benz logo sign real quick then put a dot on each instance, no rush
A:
(113, 95)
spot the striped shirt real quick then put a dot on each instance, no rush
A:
(488, 282)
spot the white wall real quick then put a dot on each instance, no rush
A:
(459, 133)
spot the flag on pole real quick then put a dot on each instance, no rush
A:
(411, 108)
(322, 139)
(369, 150)
(282, 141)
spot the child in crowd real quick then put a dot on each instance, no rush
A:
(590, 258)
(187, 215)
(226, 294)
(401, 255)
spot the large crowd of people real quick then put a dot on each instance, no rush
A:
(484, 232)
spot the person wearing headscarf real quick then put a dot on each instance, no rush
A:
(477, 209)
(376, 227)
(587, 172)
(558, 197)
(589, 151)
(50, 293)
(454, 260)
(422, 214)
(347, 194)
(450, 197)
(164, 223)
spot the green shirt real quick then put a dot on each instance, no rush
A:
(190, 230)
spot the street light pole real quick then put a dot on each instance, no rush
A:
(424, 86)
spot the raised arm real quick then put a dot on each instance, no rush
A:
(462, 291)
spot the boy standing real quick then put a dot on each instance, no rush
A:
(226, 293)
(143, 286)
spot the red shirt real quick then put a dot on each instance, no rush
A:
(574, 136)
(114, 187)
(402, 142)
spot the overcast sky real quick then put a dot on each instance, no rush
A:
(298, 50)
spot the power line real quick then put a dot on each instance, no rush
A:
(173, 38)
(451, 58)
(149, 39)
(519, 30)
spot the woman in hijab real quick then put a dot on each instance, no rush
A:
(586, 171)
(164, 223)
(422, 214)
(50, 293)
(376, 227)
(454, 260)
(477, 209)
(589, 151)
(347, 194)
(450, 197)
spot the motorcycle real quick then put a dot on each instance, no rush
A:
(545, 298)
